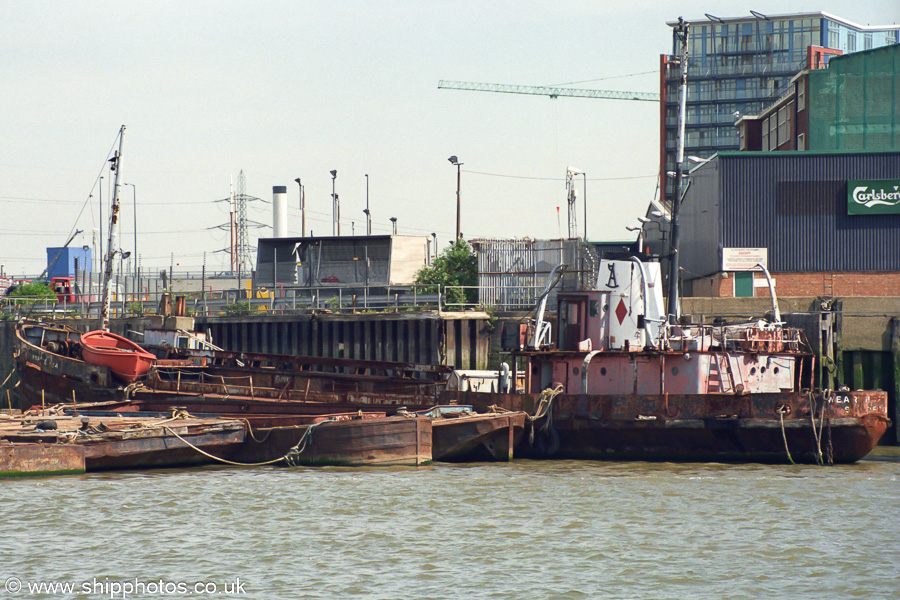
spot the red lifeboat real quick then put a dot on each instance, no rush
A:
(125, 359)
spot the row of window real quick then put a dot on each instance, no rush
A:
(706, 136)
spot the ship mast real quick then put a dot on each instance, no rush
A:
(674, 308)
(113, 219)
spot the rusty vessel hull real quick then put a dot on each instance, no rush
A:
(40, 459)
(844, 427)
(128, 442)
(477, 437)
(376, 441)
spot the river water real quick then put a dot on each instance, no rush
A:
(521, 530)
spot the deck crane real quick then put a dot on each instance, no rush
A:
(553, 92)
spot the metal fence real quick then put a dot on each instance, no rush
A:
(233, 302)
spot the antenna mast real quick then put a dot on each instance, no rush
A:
(572, 196)
(113, 219)
(674, 310)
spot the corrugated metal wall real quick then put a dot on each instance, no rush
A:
(794, 204)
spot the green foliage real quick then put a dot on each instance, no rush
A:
(35, 290)
(236, 309)
(456, 266)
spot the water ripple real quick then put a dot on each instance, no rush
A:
(526, 530)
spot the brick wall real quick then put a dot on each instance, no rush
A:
(841, 285)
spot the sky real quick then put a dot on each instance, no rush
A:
(283, 90)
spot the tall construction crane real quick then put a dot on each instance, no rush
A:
(542, 90)
(553, 92)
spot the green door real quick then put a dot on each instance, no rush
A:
(743, 284)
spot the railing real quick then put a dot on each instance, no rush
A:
(282, 300)
(235, 302)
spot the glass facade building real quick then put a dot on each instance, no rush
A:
(737, 66)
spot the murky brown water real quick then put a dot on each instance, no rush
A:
(520, 530)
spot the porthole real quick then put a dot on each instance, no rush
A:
(674, 370)
(575, 370)
(762, 369)
(753, 370)
(603, 370)
(775, 370)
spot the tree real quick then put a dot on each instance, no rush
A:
(456, 266)
(35, 290)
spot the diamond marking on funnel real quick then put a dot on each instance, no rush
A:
(621, 311)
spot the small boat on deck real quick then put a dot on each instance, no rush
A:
(125, 358)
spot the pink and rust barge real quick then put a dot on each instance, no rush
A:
(621, 382)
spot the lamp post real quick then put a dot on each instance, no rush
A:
(585, 205)
(394, 224)
(302, 209)
(100, 254)
(134, 210)
(368, 216)
(335, 210)
(434, 235)
(640, 231)
(455, 161)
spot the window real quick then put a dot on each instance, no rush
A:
(867, 42)
(783, 124)
(801, 141)
(773, 131)
(851, 42)
(801, 95)
(743, 284)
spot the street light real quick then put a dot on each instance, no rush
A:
(134, 203)
(368, 215)
(335, 208)
(455, 161)
(302, 209)
(584, 175)
(640, 239)
(100, 254)
(394, 223)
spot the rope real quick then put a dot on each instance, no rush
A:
(253, 437)
(817, 435)
(293, 455)
(7, 377)
(543, 411)
(781, 410)
(222, 460)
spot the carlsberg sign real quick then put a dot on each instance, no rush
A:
(873, 197)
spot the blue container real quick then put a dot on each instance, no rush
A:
(70, 260)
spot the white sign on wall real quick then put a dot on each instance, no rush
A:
(744, 259)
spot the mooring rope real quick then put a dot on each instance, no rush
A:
(781, 410)
(223, 460)
(544, 409)
(293, 455)
(7, 377)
